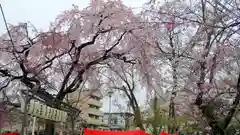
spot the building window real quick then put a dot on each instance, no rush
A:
(95, 97)
(92, 126)
(114, 121)
(93, 116)
(93, 106)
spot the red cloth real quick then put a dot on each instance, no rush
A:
(13, 133)
(165, 133)
(105, 132)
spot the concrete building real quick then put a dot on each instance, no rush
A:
(118, 120)
(89, 102)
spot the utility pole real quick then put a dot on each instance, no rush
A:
(110, 105)
(127, 116)
(155, 113)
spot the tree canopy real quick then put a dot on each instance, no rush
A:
(185, 51)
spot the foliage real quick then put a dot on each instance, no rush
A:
(185, 51)
(77, 41)
(70, 52)
(200, 37)
(160, 117)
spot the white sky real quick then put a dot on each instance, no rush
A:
(41, 12)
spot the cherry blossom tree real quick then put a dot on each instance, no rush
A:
(216, 51)
(123, 79)
(187, 50)
(204, 35)
(78, 41)
(170, 40)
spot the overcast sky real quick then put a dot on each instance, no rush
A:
(41, 12)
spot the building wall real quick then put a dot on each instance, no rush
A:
(118, 120)
(89, 102)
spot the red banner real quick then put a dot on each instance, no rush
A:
(105, 132)
(108, 132)
(165, 133)
(12, 133)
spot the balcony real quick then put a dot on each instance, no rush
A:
(97, 94)
(95, 111)
(97, 122)
(95, 102)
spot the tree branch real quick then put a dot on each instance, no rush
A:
(234, 106)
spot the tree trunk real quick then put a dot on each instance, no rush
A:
(138, 119)
(25, 121)
(171, 129)
(25, 117)
(155, 113)
(234, 106)
(135, 106)
(72, 124)
(171, 116)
